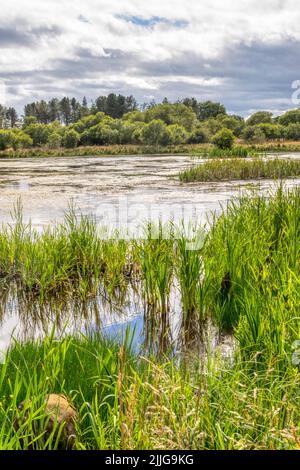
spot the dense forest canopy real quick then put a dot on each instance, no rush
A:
(118, 119)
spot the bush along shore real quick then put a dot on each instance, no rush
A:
(229, 170)
(244, 277)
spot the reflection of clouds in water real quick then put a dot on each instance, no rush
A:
(116, 321)
(8, 328)
(132, 329)
(2, 352)
(111, 319)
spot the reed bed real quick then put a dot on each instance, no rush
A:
(253, 255)
(87, 151)
(230, 170)
(235, 152)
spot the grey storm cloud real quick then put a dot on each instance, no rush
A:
(12, 37)
(250, 74)
(25, 36)
(256, 73)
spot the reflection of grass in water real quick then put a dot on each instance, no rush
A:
(229, 170)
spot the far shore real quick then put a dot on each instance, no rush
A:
(115, 150)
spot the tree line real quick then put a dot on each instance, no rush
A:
(68, 110)
(117, 119)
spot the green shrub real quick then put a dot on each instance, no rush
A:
(5, 139)
(70, 139)
(199, 135)
(88, 121)
(21, 139)
(169, 114)
(290, 117)
(253, 134)
(101, 134)
(54, 140)
(178, 134)
(39, 133)
(292, 131)
(224, 139)
(272, 131)
(261, 117)
(234, 123)
(126, 130)
(156, 133)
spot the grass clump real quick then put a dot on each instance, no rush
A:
(235, 152)
(230, 170)
(127, 403)
(155, 256)
(253, 256)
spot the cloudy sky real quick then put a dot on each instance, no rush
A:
(245, 54)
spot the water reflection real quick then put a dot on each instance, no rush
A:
(23, 318)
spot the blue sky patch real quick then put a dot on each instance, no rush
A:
(83, 19)
(150, 22)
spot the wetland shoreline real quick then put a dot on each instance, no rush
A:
(116, 150)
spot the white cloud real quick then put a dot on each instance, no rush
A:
(39, 37)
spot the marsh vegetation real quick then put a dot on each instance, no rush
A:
(240, 151)
(241, 274)
(229, 170)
